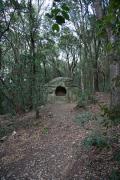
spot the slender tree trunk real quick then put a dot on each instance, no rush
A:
(96, 82)
(32, 54)
(104, 79)
(115, 82)
(96, 72)
(96, 77)
(82, 84)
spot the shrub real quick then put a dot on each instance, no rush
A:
(82, 102)
(116, 156)
(115, 175)
(96, 140)
(92, 99)
(84, 118)
(112, 116)
(86, 98)
(45, 130)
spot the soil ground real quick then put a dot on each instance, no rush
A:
(52, 149)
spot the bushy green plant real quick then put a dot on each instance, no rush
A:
(115, 175)
(45, 130)
(92, 99)
(86, 98)
(84, 118)
(96, 140)
(116, 156)
(82, 102)
(104, 108)
(112, 115)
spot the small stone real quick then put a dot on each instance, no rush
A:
(3, 139)
(33, 163)
(73, 142)
(14, 133)
(52, 155)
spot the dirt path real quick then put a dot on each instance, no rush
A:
(44, 153)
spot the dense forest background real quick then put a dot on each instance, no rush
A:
(41, 40)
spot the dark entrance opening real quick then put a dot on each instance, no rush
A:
(60, 91)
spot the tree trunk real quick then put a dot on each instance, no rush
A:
(96, 82)
(32, 54)
(115, 83)
(96, 77)
(114, 61)
(82, 83)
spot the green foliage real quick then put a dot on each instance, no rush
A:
(116, 156)
(111, 19)
(32, 53)
(65, 15)
(45, 130)
(115, 175)
(100, 28)
(84, 118)
(59, 14)
(92, 99)
(1, 5)
(65, 7)
(109, 47)
(60, 19)
(96, 140)
(86, 98)
(104, 108)
(82, 102)
(113, 115)
(55, 27)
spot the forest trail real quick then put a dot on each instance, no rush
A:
(47, 152)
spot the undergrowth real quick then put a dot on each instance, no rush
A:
(45, 130)
(7, 128)
(111, 116)
(85, 99)
(116, 156)
(96, 140)
(115, 175)
(84, 118)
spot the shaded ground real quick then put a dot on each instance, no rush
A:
(52, 149)
(46, 152)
